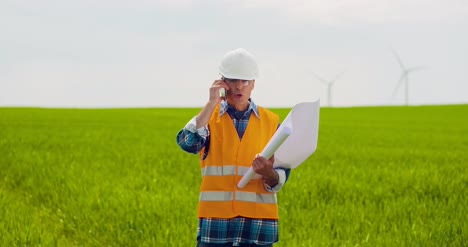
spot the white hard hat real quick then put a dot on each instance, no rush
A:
(239, 64)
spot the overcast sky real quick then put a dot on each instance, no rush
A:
(145, 53)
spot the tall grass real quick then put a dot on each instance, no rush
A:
(381, 176)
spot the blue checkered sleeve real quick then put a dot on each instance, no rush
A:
(190, 142)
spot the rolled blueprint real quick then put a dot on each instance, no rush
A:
(302, 125)
(275, 142)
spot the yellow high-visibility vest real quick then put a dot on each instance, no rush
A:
(228, 160)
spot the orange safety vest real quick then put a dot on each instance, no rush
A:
(228, 160)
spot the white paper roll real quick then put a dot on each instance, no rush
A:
(275, 142)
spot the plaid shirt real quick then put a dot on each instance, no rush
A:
(190, 140)
(239, 229)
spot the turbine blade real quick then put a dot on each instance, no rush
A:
(400, 82)
(395, 53)
(321, 79)
(338, 76)
(413, 69)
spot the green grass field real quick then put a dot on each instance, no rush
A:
(381, 176)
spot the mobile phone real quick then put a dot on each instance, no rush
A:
(222, 93)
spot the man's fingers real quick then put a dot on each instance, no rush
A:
(216, 92)
(272, 159)
(263, 160)
(220, 83)
(216, 82)
(260, 162)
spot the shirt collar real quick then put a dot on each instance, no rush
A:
(224, 106)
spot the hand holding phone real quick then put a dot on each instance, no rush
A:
(218, 91)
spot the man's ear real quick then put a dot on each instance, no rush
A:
(253, 84)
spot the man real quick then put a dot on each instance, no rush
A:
(229, 133)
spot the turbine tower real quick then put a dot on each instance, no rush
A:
(329, 84)
(404, 76)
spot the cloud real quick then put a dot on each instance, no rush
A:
(330, 12)
(108, 4)
(338, 12)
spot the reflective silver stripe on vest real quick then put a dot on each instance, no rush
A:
(216, 196)
(219, 196)
(218, 170)
(254, 197)
(225, 170)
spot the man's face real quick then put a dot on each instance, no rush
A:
(239, 92)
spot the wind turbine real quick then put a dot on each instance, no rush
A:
(404, 76)
(329, 84)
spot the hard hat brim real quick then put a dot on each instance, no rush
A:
(231, 76)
